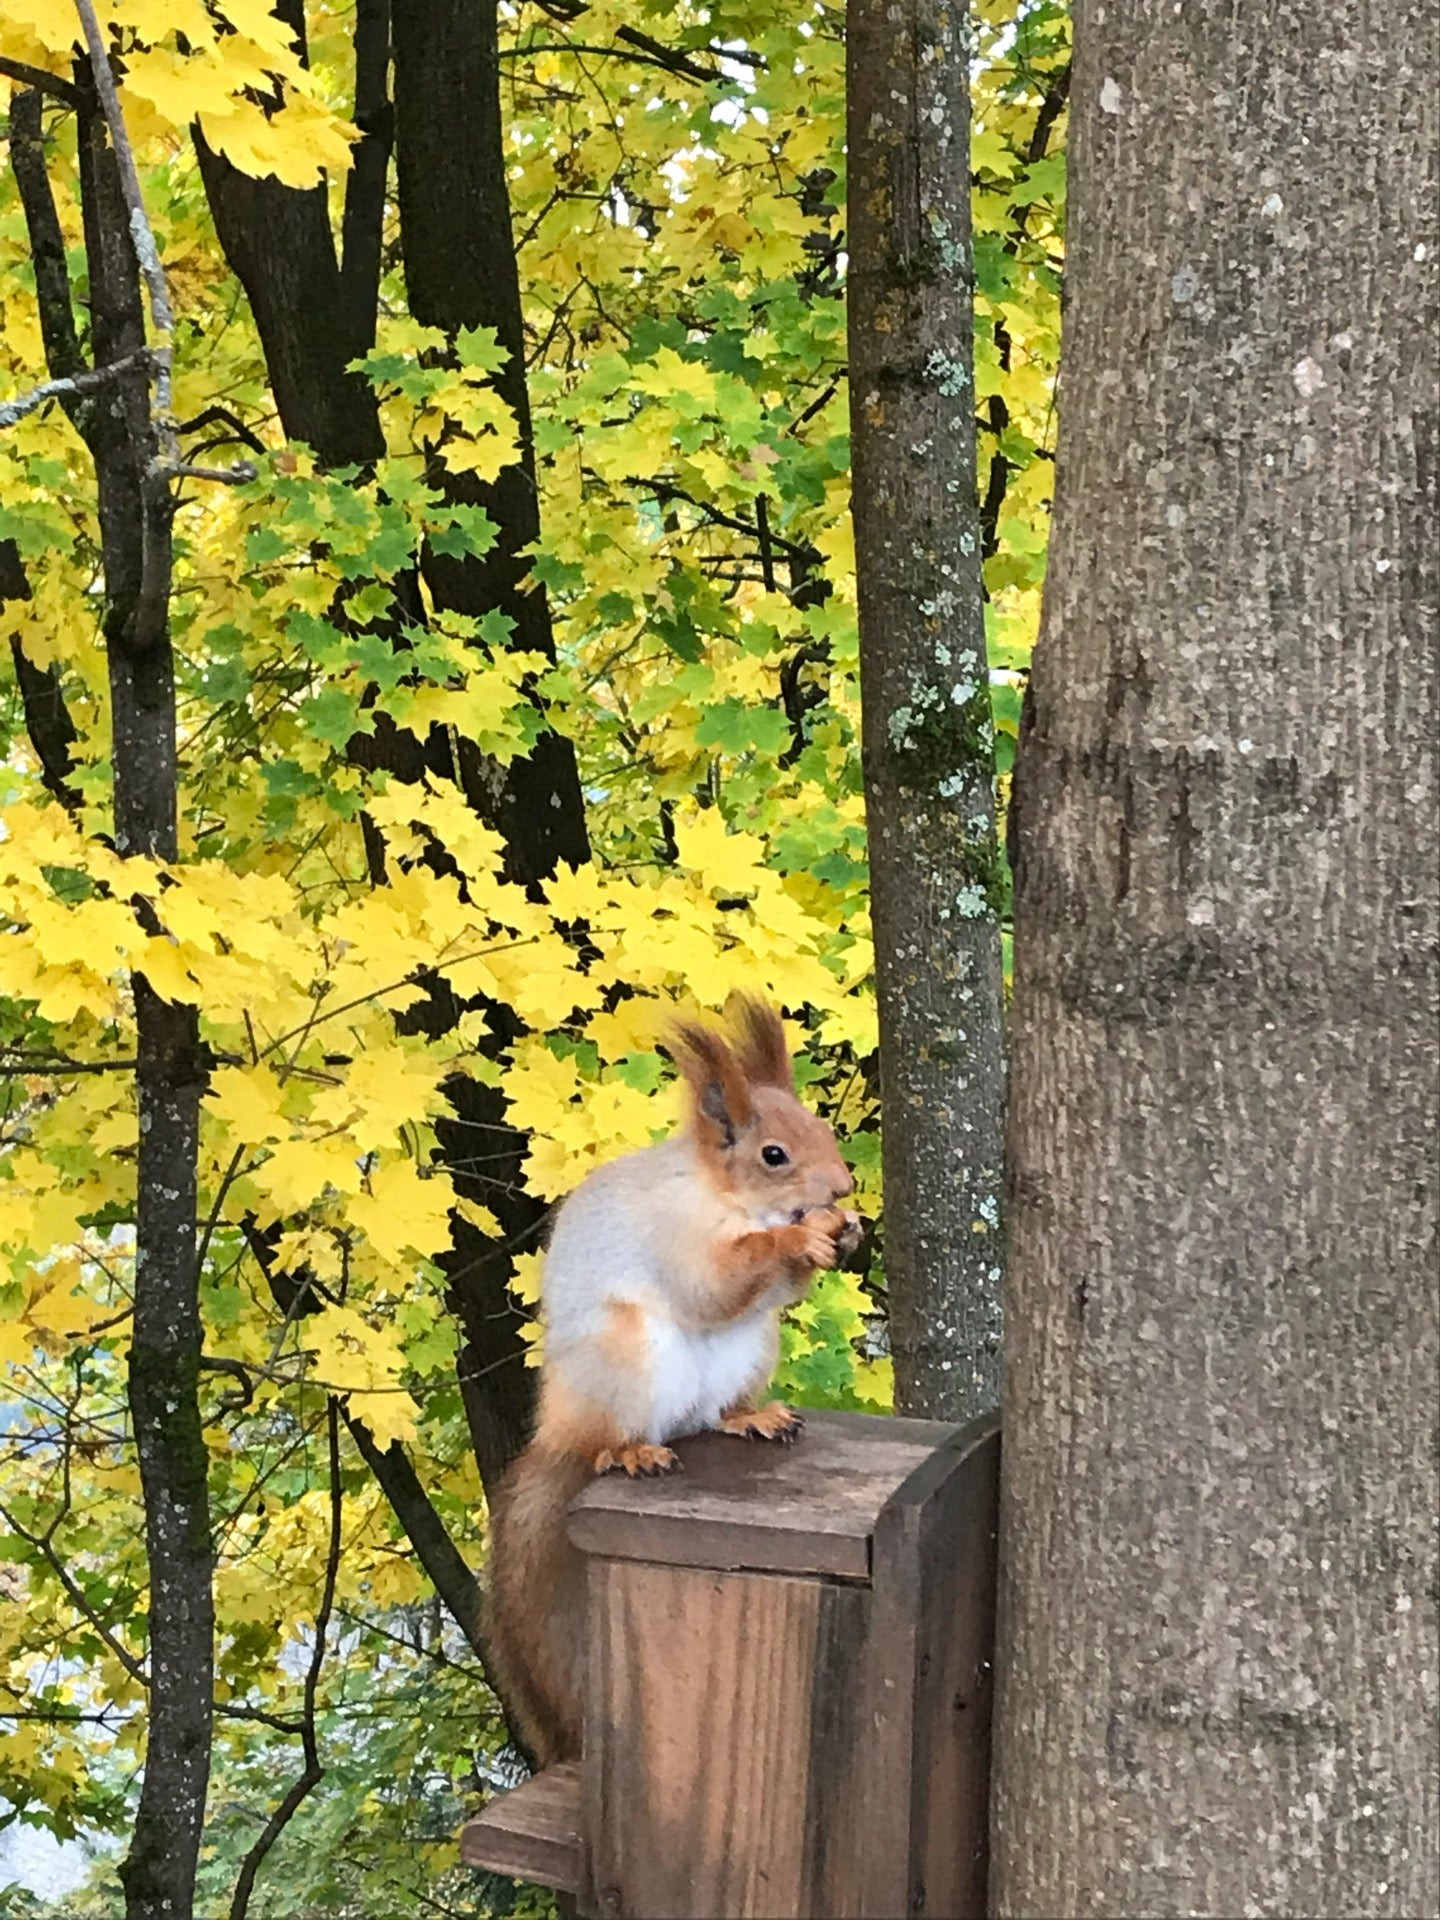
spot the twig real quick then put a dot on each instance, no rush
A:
(313, 1772)
(410, 979)
(239, 474)
(47, 238)
(42, 1544)
(233, 1710)
(25, 1068)
(237, 1370)
(75, 385)
(218, 416)
(669, 57)
(212, 1219)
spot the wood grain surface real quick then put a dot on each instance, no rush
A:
(712, 1783)
(806, 1508)
(532, 1832)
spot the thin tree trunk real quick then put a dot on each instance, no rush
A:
(1218, 1661)
(135, 515)
(928, 745)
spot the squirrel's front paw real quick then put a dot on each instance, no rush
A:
(807, 1245)
(829, 1235)
(849, 1236)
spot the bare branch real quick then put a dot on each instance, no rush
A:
(233, 1710)
(42, 1544)
(22, 1069)
(72, 386)
(218, 416)
(240, 474)
(236, 1370)
(47, 719)
(47, 237)
(668, 57)
(38, 80)
(313, 1771)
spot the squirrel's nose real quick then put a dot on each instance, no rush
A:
(844, 1183)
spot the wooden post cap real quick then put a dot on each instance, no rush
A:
(809, 1507)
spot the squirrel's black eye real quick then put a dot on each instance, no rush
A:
(774, 1156)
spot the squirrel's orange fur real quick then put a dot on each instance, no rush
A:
(663, 1285)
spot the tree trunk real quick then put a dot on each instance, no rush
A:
(135, 517)
(928, 748)
(460, 271)
(1218, 1660)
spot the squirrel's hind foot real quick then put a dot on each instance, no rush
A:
(775, 1422)
(637, 1461)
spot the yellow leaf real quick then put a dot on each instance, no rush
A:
(401, 1213)
(725, 860)
(525, 1283)
(55, 26)
(17, 1343)
(365, 1362)
(349, 1353)
(247, 1101)
(259, 21)
(301, 1170)
(669, 377)
(166, 966)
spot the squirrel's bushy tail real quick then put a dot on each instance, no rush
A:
(535, 1604)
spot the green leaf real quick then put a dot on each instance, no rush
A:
(737, 728)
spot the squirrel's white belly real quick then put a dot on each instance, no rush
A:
(696, 1374)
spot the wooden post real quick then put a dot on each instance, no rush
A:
(789, 1682)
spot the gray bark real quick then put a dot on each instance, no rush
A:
(936, 877)
(136, 508)
(1218, 1662)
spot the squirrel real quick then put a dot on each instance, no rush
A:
(662, 1289)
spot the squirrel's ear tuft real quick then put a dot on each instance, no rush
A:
(719, 1090)
(764, 1056)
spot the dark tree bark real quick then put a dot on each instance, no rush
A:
(314, 311)
(1218, 1613)
(42, 698)
(47, 719)
(928, 743)
(135, 510)
(460, 271)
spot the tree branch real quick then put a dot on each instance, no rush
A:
(1052, 105)
(71, 386)
(147, 627)
(362, 222)
(218, 416)
(44, 1545)
(142, 238)
(444, 1565)
(38, 80)
(47, 720)
(313, 1771)
(437, 1553)
(63, 357)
